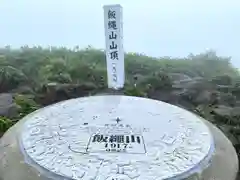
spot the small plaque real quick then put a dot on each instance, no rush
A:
(125, 143)
(117, 138)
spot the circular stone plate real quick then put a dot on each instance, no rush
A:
(116, 138)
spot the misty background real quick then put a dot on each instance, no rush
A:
(153, 27)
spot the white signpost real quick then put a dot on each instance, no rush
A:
(114, 46)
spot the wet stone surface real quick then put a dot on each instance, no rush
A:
(116, 138)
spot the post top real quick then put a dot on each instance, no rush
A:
(112, 6)
(107, 137)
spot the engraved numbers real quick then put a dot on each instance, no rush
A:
(116, 147)
(116, 143)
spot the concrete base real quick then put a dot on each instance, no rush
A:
(224, 164)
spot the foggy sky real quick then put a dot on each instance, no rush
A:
(154, 27)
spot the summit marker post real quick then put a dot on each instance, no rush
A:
(113, 24)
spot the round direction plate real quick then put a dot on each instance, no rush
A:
(116, 138)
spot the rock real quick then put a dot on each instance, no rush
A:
(197, 91)
(203, 97)
(223, 110)
(227, 99)
(54, 92)
(222, 80)
(7, 106)
(164, 95)
(13, 78)
(187, 83)
(178, 77)
(196, 83)
(23, 90)
(6, 99)
(237, 103)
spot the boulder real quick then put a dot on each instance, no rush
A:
(222, 110)
(203, 97)
(55, 92)
(226, 99)
(7, 106)
(178, 77)
(23, 90)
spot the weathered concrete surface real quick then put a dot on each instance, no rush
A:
(75, 128)
(224, 164)
(12, 166)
